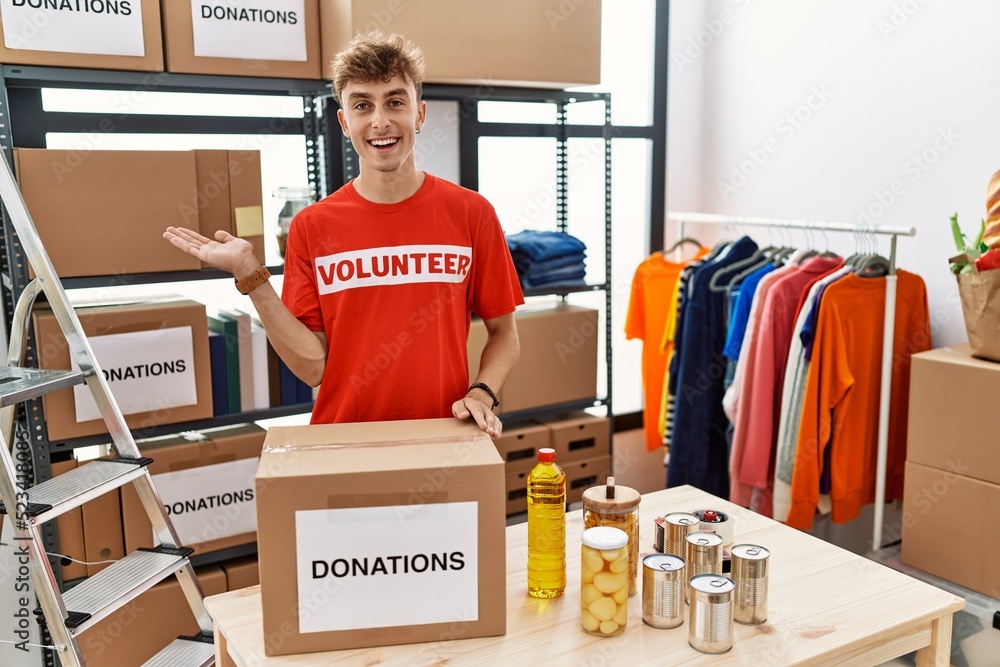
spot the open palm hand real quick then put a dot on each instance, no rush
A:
(226, 252)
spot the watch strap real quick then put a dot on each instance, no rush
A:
(254, 280)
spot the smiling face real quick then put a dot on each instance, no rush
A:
(381, 119)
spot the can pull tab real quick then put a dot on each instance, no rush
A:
(609, 490)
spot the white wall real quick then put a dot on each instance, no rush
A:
(866, 111)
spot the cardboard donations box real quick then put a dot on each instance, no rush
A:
(380, 533)
(154, 355)
(100, 34)
(547, 43)
(267, 38)
(206, 483)
(113, 206)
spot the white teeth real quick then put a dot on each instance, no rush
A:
(382, 142)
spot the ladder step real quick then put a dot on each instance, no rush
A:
(197, 651)
(22, 384)
(119, 584)
(76, 487)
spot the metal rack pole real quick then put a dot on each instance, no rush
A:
(888, 328)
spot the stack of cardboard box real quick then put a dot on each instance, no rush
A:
(952, 489)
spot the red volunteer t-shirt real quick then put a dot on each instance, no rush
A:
(392, 286)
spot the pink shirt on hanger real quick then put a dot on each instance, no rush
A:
(776, 322)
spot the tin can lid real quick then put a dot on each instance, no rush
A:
(682, 519)
(605, 537)
(750, 552)
(704, 538)
(712, 583)
(665, 562)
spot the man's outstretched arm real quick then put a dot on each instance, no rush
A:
(302, 350)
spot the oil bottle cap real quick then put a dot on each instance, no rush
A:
(711, 516)
(546, 455)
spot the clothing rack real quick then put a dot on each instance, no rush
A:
(889, 324)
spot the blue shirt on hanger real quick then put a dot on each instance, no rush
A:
(738, 325)
(698, 455)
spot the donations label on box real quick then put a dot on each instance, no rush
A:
(210, 502)
(250, 29)
(147, 371)
(390, 566)
(101, 27)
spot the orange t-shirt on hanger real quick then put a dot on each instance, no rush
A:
(648, 308)
(841, 404)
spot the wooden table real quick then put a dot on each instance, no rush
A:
(827, 607)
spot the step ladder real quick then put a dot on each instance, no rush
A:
(69, 615)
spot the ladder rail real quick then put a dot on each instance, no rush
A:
(17, 346)
(42, 577)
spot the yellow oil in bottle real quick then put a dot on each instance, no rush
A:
(546, 527)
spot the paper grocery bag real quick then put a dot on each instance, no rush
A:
(980, 293)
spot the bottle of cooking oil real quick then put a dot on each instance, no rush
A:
(546, 527)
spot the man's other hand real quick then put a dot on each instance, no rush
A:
(483, 416)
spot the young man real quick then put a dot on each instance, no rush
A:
(380, 277)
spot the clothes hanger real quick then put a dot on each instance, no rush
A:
(684, 241)
(873, 265)
(826, 246)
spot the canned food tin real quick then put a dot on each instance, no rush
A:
(678, 526)
(662, 590)
(714, 521)
(704, 556)
(750, 573)
(658, 531)
(710, 628)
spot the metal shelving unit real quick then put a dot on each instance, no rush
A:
(331, 161)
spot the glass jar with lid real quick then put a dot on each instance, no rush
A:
(616, 507)
(295, 199)
(603, 585)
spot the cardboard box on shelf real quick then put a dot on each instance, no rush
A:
(404, 520)
(155, 355)
(580, 476)
(134, 633)
(69, 528)
(946, 525)
(519, 445)
(950, 392)
(558, 362)
(579, 436)
(104, 212)
(118, 34)
(206, 482)
(241, 573)
(229, 196)
(126, 199)
(103, 541)
(264, 38)
(540, 43)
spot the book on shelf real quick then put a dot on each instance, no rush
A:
(229, 329)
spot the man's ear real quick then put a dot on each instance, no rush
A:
(342, 118)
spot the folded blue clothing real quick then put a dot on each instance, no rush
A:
(557, 276)
(544, 245)
(568, 282)
(571, 270)
(527, 265)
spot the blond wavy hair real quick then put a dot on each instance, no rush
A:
(377, 57)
